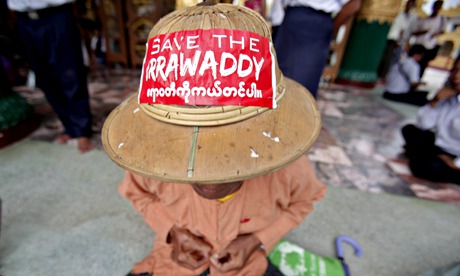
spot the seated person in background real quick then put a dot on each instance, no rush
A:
(404, 77)
(397, 38)
(433, 144)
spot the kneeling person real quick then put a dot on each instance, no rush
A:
(220, 177)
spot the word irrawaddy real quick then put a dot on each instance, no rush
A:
(209, 67)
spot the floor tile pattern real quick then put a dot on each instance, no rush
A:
(361, 147)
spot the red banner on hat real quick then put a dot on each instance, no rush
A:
(209, 67)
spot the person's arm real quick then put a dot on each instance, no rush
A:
(347, 11)
(410, 28)
(441, 29)
(400, 37)
(419, 32)
(305, 190)
(236, 254)
(416, 29)
(443, 94)
(449, 160)
(437, 34)
(188, 250)
(143, 194)
(398, 25)
(417, 83)
(427, 115)
(413, 74)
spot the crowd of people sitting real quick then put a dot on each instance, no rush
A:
(432, 143)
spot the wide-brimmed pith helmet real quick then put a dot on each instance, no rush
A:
(212, 106)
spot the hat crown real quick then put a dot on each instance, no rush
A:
(212, 144)
(209, 16)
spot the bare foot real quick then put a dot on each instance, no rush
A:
(448, 193)
(62, 139)
(84, 144)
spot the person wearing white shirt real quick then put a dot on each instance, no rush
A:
(397, 37)
(303, 40)
(275, 16)
(427, 31)
(404, 77)
(34, 5)
(433, 144)
(51, 40)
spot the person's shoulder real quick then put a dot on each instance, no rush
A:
(412, 62)
(443, 19)
(399, 19)
(413, 16)
(399, 15)
(283, 179)
(296, 165)
(405, 60)
(422, 19)
(298, 169)
(156, 185)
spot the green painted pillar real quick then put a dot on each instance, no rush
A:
(366, 43)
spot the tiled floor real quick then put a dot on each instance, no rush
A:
(359, 146)
(362, 136)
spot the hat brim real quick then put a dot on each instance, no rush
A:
(219, 154)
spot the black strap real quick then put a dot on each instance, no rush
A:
(404, 73)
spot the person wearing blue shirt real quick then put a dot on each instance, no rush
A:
(404, 78)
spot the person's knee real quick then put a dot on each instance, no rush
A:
(420, 168)
(433, 169)
(407, 130)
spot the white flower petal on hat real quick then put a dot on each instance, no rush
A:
(269, 135)
(120, 145)
(136, 110)
(254, 154)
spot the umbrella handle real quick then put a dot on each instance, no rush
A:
(352, 242)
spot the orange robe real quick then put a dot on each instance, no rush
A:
(268, 206)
